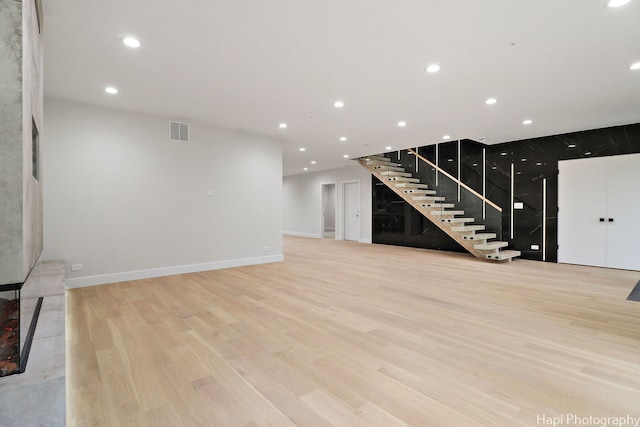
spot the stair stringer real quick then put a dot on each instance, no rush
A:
(446, 227)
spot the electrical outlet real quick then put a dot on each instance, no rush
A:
(76, 267)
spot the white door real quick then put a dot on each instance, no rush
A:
(598, 203)
(351, 193)
(582, 192)
(623, 211)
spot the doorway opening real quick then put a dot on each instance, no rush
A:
(328, 226)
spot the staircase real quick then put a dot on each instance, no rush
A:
(433, 207)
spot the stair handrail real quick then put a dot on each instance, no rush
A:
(462, 184)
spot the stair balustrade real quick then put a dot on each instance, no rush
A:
(468, 217)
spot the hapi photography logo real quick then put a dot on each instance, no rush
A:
(590, 420)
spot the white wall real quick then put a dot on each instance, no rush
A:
(125, 202)
(302, 201)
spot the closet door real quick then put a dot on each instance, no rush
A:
(582, 214)
(623, 211)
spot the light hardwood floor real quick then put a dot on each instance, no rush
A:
(347, 334)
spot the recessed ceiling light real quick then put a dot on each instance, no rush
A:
(494, 167)
(111, 90)
(343, 138)
(433, 68)
(131, 42)
(346, 156)
(635, 66)
(503, 153)
(313, 162)
(523, 160)
(402, 124)
(303, 149)
(446, 136)
(539, 164)
(338, 104)
(617, 3)
(450, 160)
(588, 153)
(490, 101)
(306, 169)
(282, 125)
(475, 164)
(571, 145)
(527, 122)
(388, 148)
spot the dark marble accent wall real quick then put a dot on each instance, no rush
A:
(534, 161)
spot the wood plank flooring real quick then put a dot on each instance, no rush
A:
(346, 334)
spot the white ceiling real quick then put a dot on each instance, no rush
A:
(252, 64)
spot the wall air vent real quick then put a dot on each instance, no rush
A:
(179, 131)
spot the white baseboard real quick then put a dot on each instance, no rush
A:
(300, 234)
(365, 240)
(81, 282)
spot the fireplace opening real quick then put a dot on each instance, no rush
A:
(9, 332)
(18, 320)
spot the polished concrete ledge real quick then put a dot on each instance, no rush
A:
(37, 396)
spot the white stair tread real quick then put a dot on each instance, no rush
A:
(376, 164)
(403, 179)
(377, 159)
(411, 185)
(489, 246)
(503, 255)
(389, 168)
(439, 209)
(394, 173)
(430, 198)
(457, 220)
(467, 228)
(480, 236)
(418, 192)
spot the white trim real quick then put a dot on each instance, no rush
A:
(81, 282)
(366, 240)
(436, 171)
(512, 197)
(302, 234)
(544, 219)
(484, 183)
(459, 171)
